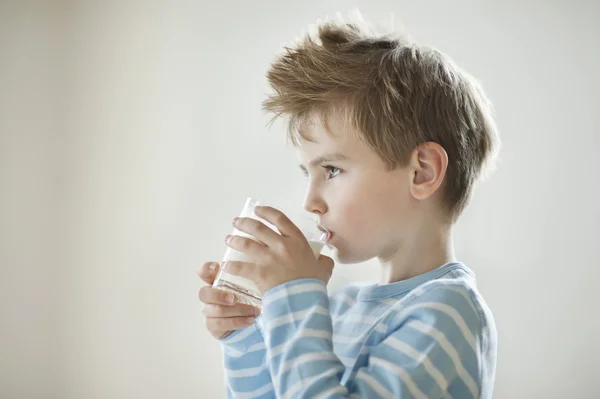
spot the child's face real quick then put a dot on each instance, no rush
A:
(366, 206)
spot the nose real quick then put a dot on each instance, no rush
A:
(314, 203)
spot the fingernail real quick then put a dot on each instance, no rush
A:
(230, 298)
(235, 220)
(227, 237)
(256, 312)
(212, 267)
(249, 320)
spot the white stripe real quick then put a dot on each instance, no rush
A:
(252, 394)
(454, 315)
(278, 350)
(247, 372)
(363, 319)
(469, 300)
(447, 346)
(305, 333)
(313, 333)
(307, 358)
(296, 289)
(389, 301)
(302, 314)
(349, 340)
(239, 336)
(306, 383)
(329, 393)
(229, 351)
(254, 348)
(404, 376)
(375, 385)
(420, 357)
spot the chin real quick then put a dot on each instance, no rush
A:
(346, 257)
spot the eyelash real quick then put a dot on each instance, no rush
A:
(328, 168)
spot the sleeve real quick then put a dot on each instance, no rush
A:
(423, 354)
(244, 359)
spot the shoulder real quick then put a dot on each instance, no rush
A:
(453, 307)
(450, 295)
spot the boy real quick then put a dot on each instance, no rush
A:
(392, 136)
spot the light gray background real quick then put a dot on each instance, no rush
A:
(131, 132)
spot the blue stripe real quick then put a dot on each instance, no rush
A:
(394, 313)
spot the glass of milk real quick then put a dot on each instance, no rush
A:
(245, 290)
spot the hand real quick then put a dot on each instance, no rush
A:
(277, 258)
(223, 314)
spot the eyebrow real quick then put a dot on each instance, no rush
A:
(333, 157)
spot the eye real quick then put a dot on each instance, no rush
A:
(333, 171)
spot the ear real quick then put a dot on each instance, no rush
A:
(428, 164)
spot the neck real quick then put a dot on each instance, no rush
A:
(428, 249)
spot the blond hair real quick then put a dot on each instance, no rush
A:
(395, 93)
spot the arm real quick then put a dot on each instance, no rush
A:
(246, 371)
(430, 347)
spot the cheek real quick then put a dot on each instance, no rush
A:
(360, 217)
(368, 218)
(371, 203)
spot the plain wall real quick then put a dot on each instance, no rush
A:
(131, 133)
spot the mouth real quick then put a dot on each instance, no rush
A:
(328, 234)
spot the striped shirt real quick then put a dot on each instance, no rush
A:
(430, 336)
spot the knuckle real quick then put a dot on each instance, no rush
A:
(218, 324)
(280, 219)
(261, 228)
(225, 323)
(285, 251)
(210, 311)
(272, 256)
(202, 294)
(280, 247)
(207, 295)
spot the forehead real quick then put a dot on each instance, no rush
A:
(327, 134)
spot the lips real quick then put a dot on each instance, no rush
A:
(326, 231)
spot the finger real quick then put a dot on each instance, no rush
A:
(239, 310)
(218, 326)
(253, 249)
(210, 295)
(208, 272)
(326, 261)
(258, 230)
(279, 220)
(242, 269)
